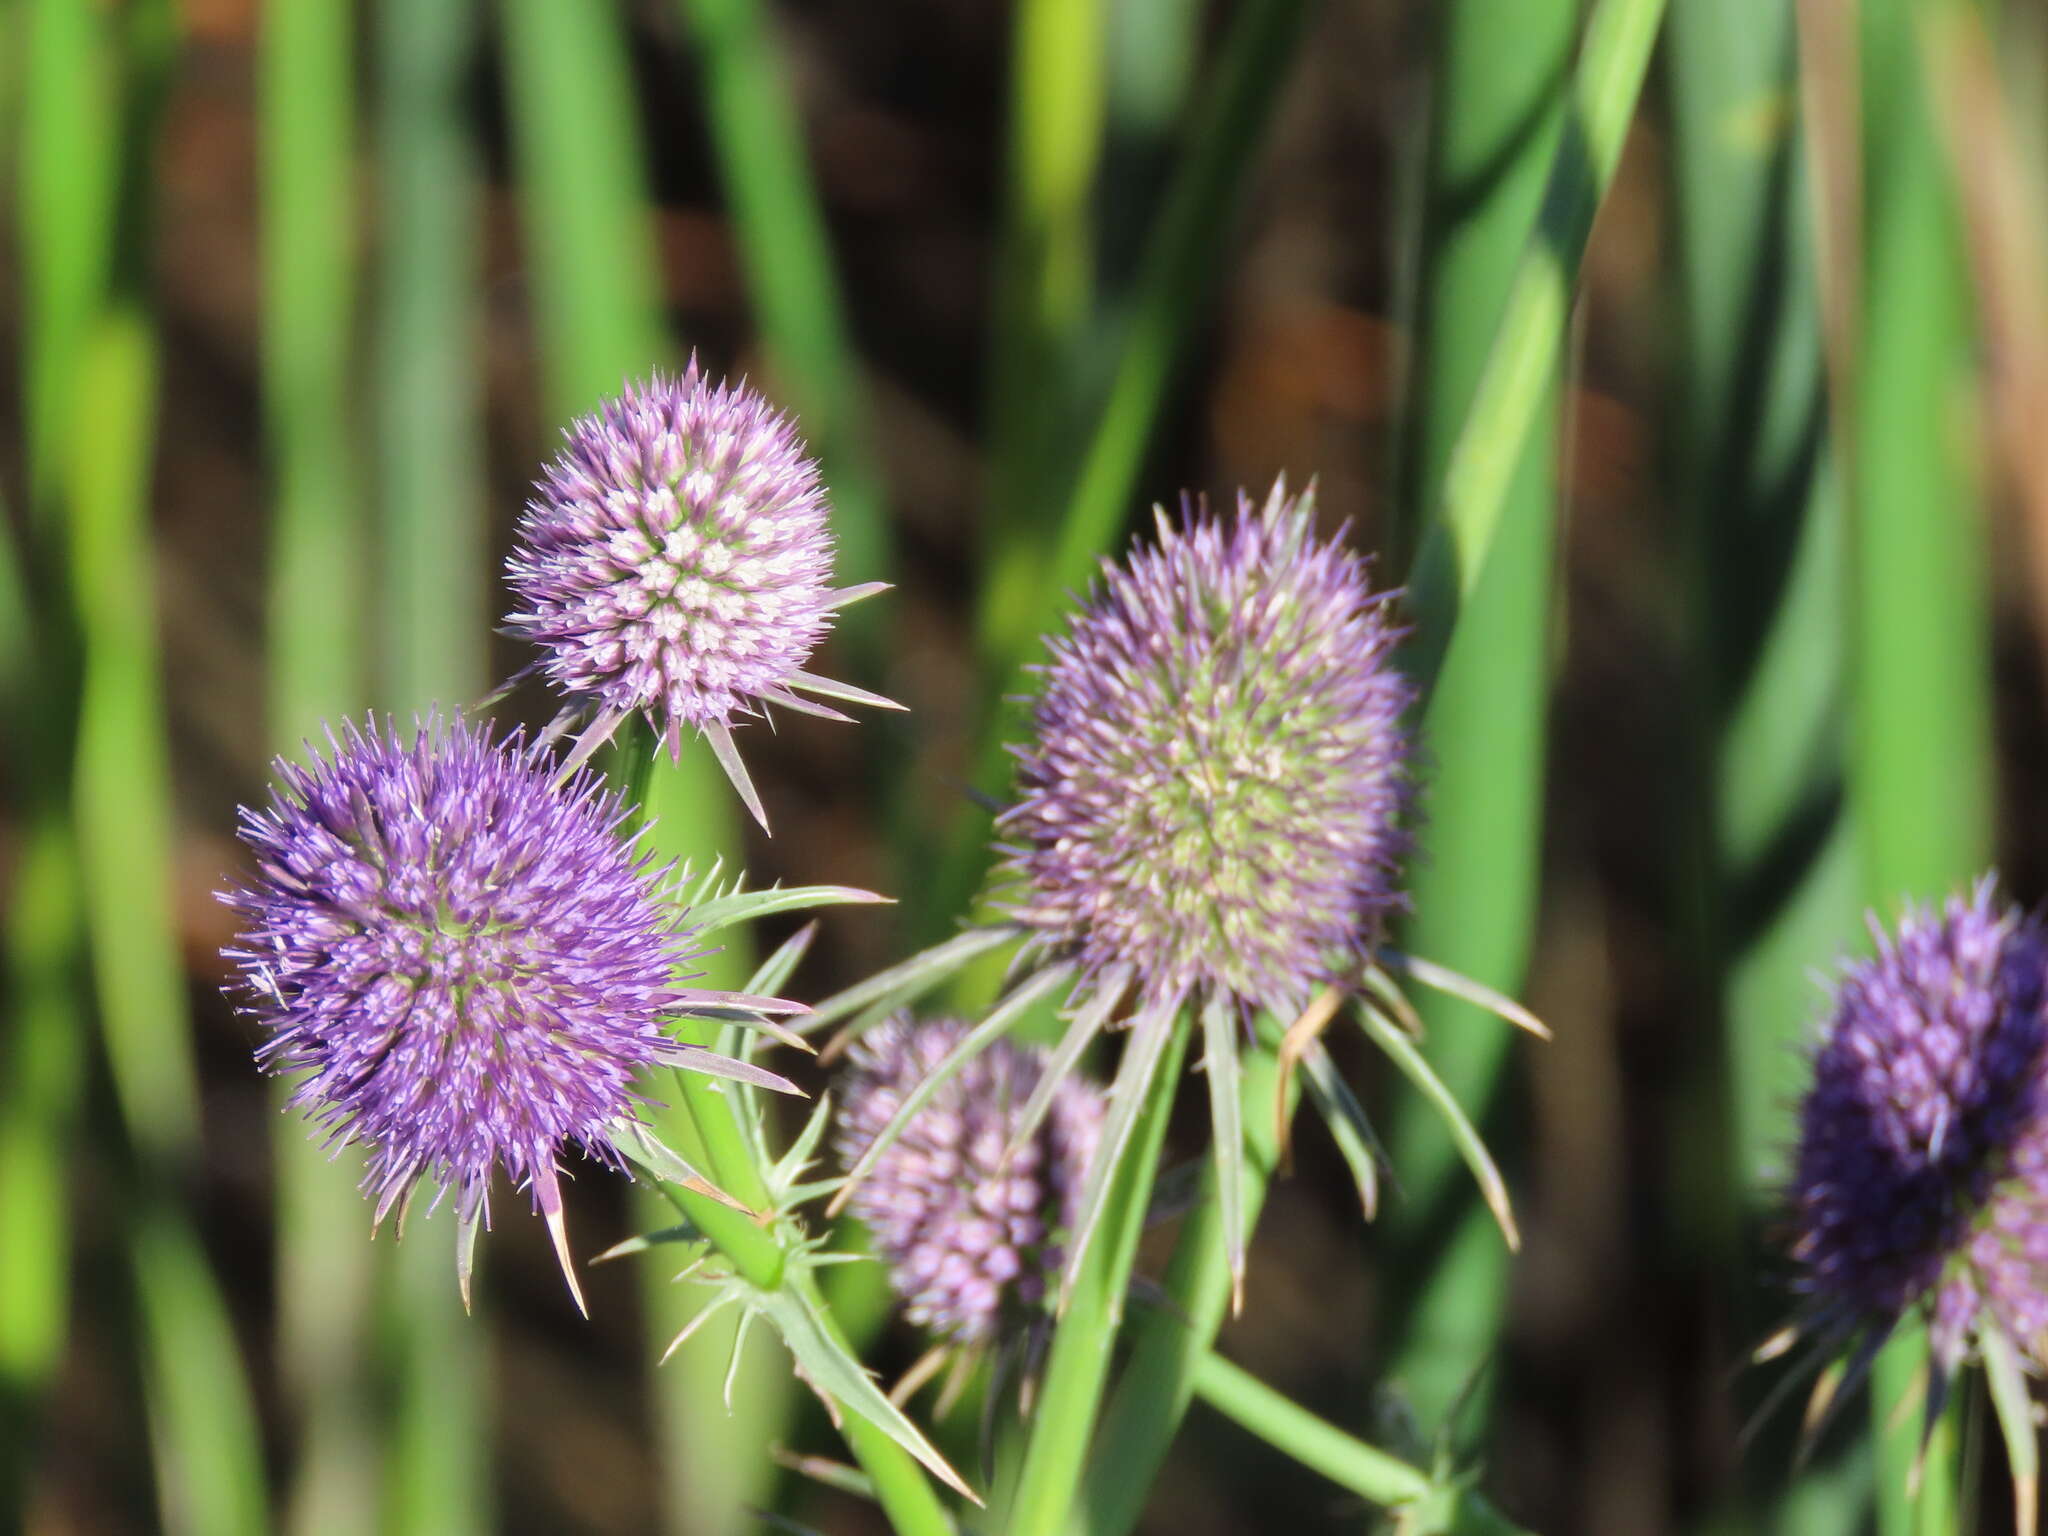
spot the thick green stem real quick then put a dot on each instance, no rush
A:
(1047, 1489)
(1522, 364)
(1499, 108)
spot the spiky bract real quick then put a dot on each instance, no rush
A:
(972, 1241)
(1216, 785)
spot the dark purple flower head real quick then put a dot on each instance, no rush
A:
(1922, 1172)
(464, 958)
(676, 559)
(1215, 791)
(971, 1242)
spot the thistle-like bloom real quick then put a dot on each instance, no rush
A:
(1215, 791)
(1922, 1173)
(971, 1240)
(467, 961)
(676, 560)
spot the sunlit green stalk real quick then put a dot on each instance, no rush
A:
(324, 1267)
(1498, 99)
(1921, 785)
(589, 236)
(1772, 882)
(1521, 365)
(426, 407)
(1048, 1490)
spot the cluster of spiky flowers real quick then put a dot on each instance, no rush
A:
(1212, 810)
(969, 1229)
(1921, 1181)
(466, 960)
(676, 560)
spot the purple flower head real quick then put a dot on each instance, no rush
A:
(1922, 1171)
(1215, 791)
(971, 1242)
(464, 958)
(676, 560)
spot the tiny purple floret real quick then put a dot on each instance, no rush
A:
(1922, 1172)
(676, 560)
(462, 957)
(971, 1242)
(1216, 792)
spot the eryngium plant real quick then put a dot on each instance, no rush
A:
(1211, 814)
(676, 561)
(467, 962)
(969, 1230)
(1921, 1180)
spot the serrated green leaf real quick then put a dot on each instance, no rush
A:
(1400, 1050)
(914, 977)
(833, 1372)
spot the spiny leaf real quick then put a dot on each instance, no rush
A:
(910, 980)
(834, 1374)
(1349, 1127)
(1454, 984)
(1144, 1044)
(1393, 1040)
(745, 906)
(647, 1242)
(971, 1045)
(1088, 1022)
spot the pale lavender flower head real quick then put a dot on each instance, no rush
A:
(676, 561)
(1922, 1172)
(971, 1241)
(464, 958)
(1215, 794)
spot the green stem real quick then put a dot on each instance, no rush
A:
(1530, 343)
(1347, 1461)
(1499, 99)
(1070, 1396)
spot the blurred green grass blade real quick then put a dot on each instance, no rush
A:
(1773, 877)
(64, 194)
(428, 338)
(1520, 366)
(209, 1467)
(597, 311)
(1045, 281)
(1499, 108)
(325, 1264)
(1029, 583)
(436, 618)
(786, 255)
(1027, 579)
(1922, 784)
(203, 1427)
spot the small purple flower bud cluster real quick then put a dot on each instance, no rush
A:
(676, 559)
(1922, 1171)
(1217, 785)
(465, 959)
(971, 1239)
